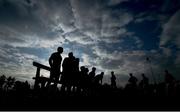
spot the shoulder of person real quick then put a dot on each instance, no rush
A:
(53, 53)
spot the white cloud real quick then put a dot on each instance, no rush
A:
(98, 23)
(79, 37)
(171, 31)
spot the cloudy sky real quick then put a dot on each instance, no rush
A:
(111, 35)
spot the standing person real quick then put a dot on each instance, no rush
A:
(132, 80)
(131, 88)
(98, 78)
(168, 77)
(170, 83)
(144, 81)
(113, 80)
(55, 64)
(68, 72)
(144, 84)
(75, 74)
(92, 74)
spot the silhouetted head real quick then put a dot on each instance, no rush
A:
(82, 68)
(143, 75)
(166, 71)
(131, 74)
(112, 72)
(70, 55)
(147, 58)
(77, 59)
(60, 49)
(102, 73)
(93, 68)
(87, 70)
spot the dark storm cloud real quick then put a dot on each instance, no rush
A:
(22, 20)
(27, 20)
(96, 30)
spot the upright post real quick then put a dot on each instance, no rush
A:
(37, 77)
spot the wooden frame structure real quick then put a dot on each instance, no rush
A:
(37, 78)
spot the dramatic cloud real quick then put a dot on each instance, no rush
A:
(112, 35)
(171, 31)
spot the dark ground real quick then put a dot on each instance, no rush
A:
(103, 103)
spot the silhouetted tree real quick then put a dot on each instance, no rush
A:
(2, 81)
(10, 82)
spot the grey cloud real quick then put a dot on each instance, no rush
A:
(18, 64)
(38, 20)
(45, 20)
(88, 16)
(125, 62)
(171, 31)
(87, 23)
(171, 36)
(78, 37)
(98, 22)
(115, 2)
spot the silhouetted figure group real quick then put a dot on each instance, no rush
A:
(73, 77)
(76, 79)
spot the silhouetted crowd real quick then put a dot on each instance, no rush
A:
(75, 80)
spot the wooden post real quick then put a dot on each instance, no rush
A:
(37, 77)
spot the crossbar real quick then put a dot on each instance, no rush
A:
(38, 65)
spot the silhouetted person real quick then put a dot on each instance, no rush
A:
(113, 80)
(68, 72)
(131, 87)
(132, 80)
(144, 84)
(168, 77)
(76, 66)
(55, 64)
(42, 81)
(75, 75)
(145, 80)
(98, 78)
(92, 73)
(84, 79)
(170, 83)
